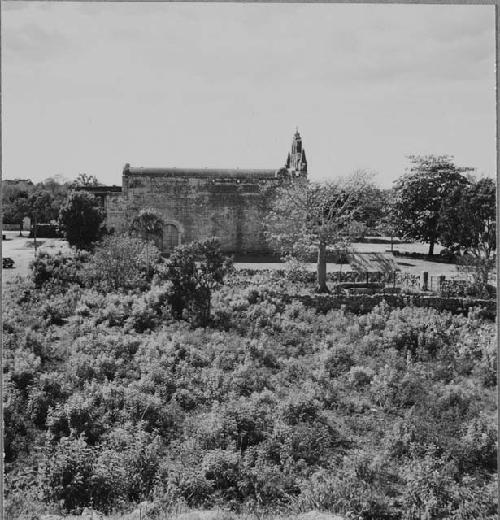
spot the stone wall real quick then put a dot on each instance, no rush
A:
(360, 304)
(198, 206)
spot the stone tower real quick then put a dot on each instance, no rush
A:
(296, 162)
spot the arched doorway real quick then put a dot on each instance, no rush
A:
(170, 237)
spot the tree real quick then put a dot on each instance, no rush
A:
(469, 219)
(85, 180)
(80, 219)
(149, 224)
(58, 187)
(15, 209)
(469, 226)
(39, 208)
(195, 270)
(421, 194)
(309, 216)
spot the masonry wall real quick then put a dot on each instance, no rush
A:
(231, 210)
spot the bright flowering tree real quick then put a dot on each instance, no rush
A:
(308, 216)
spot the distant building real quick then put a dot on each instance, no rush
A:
(22, 183)
(228, 204)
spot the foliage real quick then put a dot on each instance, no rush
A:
(149, 225)
(308, 216)
(109, 401)
(194, 270)
(60, 270)
(469, 219)
(84, 180)
(80, 219)
(421, 194)
(120, 262)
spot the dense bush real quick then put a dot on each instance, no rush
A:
(194, 271)
(121, 262)
(59, 270)
(111, 400)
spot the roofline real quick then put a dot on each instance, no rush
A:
(202, 172)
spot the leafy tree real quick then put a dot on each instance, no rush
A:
(84, 180)
(149, 224)
(81, 218)
(195, 270)
(469, 219)
(16, 208)
(58, 187)
(39, 208)
(421, 194)
(309, 216)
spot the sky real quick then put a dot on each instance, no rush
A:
(88, 87)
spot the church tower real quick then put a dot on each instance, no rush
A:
(296, 162)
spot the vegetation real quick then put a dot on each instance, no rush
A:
(421, 195)
(306, 215)
(81, 219)
(19, 200)
(85, 180)
(194, 271)
(469, 219)
(149, 225)
(112, 398)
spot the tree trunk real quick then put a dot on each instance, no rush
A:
(431, 248)
(20, 229)
(321, 269)
(34, 236)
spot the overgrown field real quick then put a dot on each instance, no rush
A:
(110, 401)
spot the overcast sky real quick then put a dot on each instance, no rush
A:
(88, 87)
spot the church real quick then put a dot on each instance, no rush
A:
(200, 203)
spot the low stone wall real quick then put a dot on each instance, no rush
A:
(10, 227)
(364, 303)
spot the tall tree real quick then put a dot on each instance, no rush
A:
(39, 208)
(149, 224)
(80, 219)
(421, 194)
(308, 216)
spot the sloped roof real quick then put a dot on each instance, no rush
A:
(373, 262)
(202, 172)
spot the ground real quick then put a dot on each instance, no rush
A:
(21, 250)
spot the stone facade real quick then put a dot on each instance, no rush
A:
(196, 204)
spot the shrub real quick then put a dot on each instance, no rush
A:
(194, 270)
(60, 270)
(119, 263)
(66, 473)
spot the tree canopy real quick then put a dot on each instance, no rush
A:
(307, 216)
(85, 180)
(421, 194)
(80, 219)
(469, 219)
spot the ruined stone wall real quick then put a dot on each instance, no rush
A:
(230, 209)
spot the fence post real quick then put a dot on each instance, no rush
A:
(425, 281)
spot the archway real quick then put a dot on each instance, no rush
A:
(171, 237)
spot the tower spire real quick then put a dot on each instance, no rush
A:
(296, 162)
